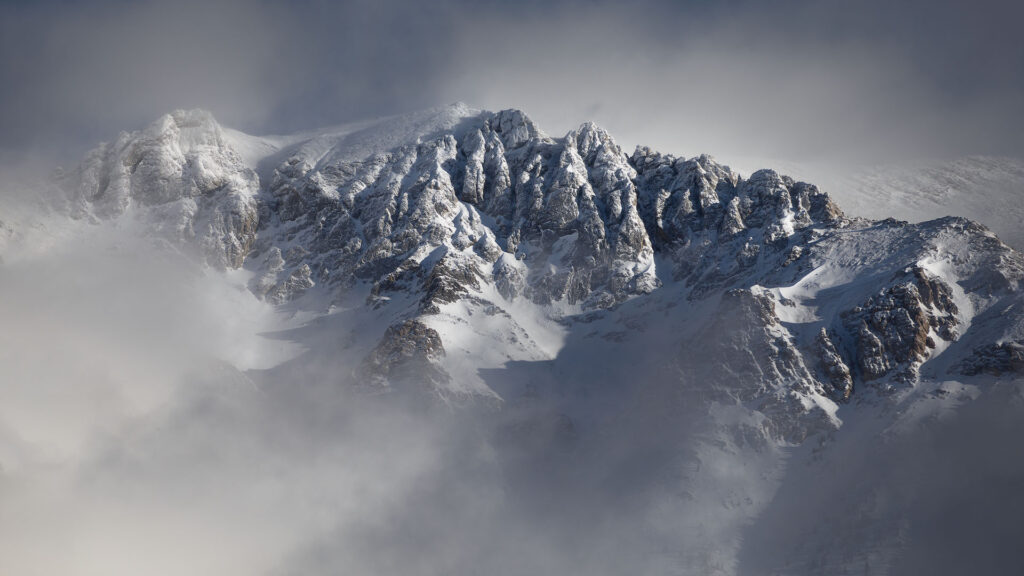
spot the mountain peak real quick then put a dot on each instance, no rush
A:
(514, 127)
(459, 212)
(187, 128)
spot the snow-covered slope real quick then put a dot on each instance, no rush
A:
(472, 239)
(608, 310)
(986, 189)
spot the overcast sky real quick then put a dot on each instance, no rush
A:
(130, 445)
(791, 80)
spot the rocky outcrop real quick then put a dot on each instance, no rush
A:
(832, 364)
(895, 330)
(183, 177)
(998, 359)
(407, 354)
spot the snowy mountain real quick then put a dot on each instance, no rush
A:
(986, 189)
(729, 340)
(440, 219)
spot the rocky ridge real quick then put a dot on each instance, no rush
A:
(446, 220)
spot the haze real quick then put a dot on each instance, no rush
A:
(157, 418)
(795, 81)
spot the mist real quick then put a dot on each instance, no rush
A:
(157, 418)
(132, 439)
(792, 81)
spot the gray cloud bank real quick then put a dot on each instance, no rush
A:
(793, 80)
(131, 443)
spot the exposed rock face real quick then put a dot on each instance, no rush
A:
(896, 329)
(408, 353)
(183, 174)
(567, 208)
(1000, 359)
(714, 225)
(448, 281)
(836, 370)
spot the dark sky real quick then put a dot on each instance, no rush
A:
(790, 80)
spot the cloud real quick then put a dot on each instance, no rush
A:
(132, 441)
(793, 80)
(132, 438)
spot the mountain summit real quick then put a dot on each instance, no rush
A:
(442, 218)
(701, 352)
